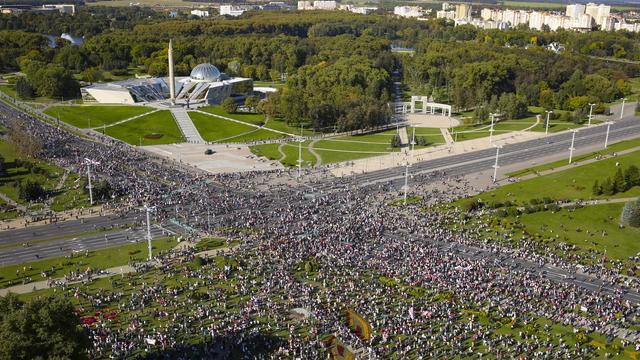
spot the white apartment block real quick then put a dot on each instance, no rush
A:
(408, 11)
(200, 13)
(444, 14)
(231, 10)
(305, 5)
(325, 5)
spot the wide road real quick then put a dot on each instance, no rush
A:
(481, 160)
(58, 248)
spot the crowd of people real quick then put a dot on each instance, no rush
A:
(406, 270)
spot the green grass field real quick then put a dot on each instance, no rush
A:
(92, 116)
(620, 146)
(290, 149)
(572, 184)
(153, 129)
(252, 118)
(216, 129)
(591, 228)
(99, 259)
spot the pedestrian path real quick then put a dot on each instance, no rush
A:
(448, 139)
(404, 137)
(125, 120)
(189, 130)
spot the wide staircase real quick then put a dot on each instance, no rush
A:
(189, 130)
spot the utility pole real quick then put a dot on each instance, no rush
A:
(606, 139)
(90, 162)
(300, 154)
(406, 181)
(413, 140)
(591, 113)
(546, 131)
(491, 129)
(495, 166)
(622, 108)
(148, 210)
(573, 140)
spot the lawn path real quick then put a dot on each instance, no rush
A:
(10, 201)
(62, 179)
(314, 153)
(244, 123)
(282, 154)
(125, 120)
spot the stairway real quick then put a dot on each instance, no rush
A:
(189, 130)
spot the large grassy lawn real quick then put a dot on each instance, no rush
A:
(153, 129)
(99, 259)
(216, 129)
(253, 118)
(68, 196)
(571, 184)
(94, 115)
(619, 146)
(290, 149)
(591, 228)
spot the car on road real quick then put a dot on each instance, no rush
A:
(209, 152)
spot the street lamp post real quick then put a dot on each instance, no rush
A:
(591, 112)
(546, 127)
(491, 129)
(622, 108)
(90, 162)
(413, 140)
(573, 141)
(495, 166)
(406, 181)
(148, 210)
(300, 154)
(606, 138)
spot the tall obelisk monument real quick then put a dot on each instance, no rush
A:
(172, 79)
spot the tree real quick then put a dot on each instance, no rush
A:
(25, 143)
(92, 75)
(31, 191)
(251, 102)
(607, 187)
(229, 105)
(631, 213)
(619, 184)
(101, 190)
(41, 328)
(632, 177)
(597, 189)
(24, 89)
(395, 141)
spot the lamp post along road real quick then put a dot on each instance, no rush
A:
(406, 181)
(495, 166)
(546, 127)
(90, 162)
(491, 129)
(591, 113)
(573, 141)
(148, 210)
(622, 108)
(606, 138)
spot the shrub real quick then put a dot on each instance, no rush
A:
(631, 213)
(471, 205)
(396, 142)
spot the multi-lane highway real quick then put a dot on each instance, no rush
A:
(481, 160)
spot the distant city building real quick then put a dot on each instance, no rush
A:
(62, 8)
(446, 6)
(463, 11)
(359, 9)
(598, 12)
(325, 5)
(305, 5)
(173, 14)
(446, 14)
(408, 11)
(231, 10)
(200, 13)
(575, 10)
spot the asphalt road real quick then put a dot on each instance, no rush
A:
(481, 160)
(65, 247)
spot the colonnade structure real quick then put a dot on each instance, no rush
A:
(428, 107)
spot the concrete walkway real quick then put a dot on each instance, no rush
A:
(11, 202)
(404, 137)
(189, 130)
(447, 136)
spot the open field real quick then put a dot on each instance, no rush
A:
(620, 146)
(94, 115)
(153, 129)
(571, 184)
(216, 129)
(255, 119)
(290, 150)
(99, 259)
(591, 228)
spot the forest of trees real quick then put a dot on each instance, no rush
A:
(338, 64)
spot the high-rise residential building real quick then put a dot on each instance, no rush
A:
(325, 5)
(598, 12)
(536, 20)
(575, 10)
(463, 11)
(408, 11)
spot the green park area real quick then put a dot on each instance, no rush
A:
(255, 119)
(217, 129)
(81, 260)
(286, 153)
(529, 210)
(34, 183)
(93, 116)
(152, 129)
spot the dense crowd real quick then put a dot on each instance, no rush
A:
(413, 276)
